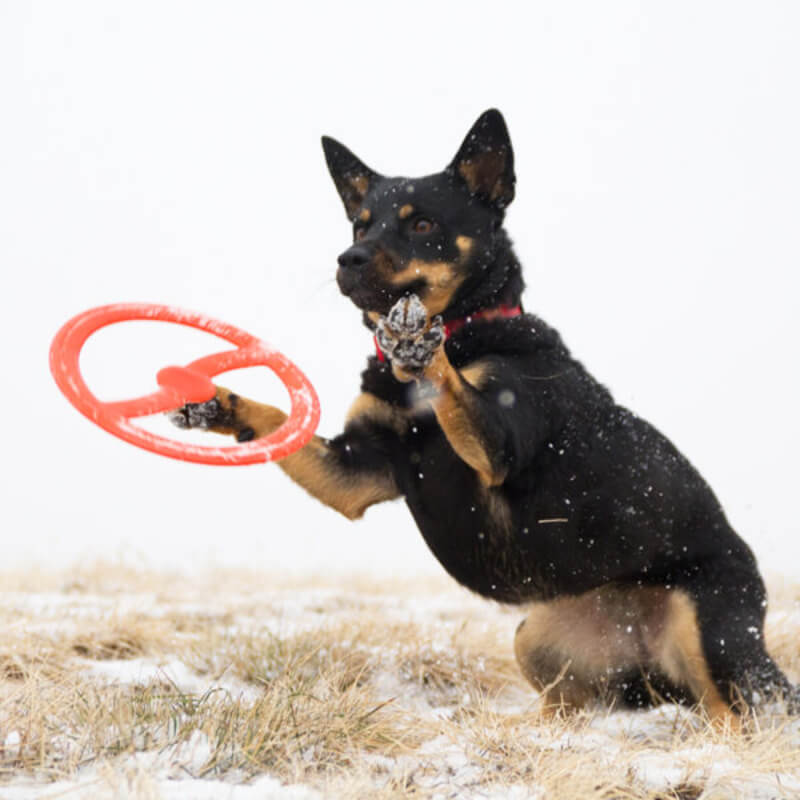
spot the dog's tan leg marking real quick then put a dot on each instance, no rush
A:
(567, 648)
(680, 655)
(459, 415)
(314, 467)
(562, 684)
(368, 407)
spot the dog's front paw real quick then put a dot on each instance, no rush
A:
(198, 415)
(405, 337)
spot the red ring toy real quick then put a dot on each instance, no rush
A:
(179, 385)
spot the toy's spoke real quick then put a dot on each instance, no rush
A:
(181, 385)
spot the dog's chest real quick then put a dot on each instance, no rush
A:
(467, 527)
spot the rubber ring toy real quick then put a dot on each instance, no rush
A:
(180, 385)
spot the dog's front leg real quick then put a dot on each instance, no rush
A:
(348, 473)
(471, 424)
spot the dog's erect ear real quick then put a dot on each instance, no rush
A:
(351, 176)
(485, 161)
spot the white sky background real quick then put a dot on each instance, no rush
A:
(169, 152)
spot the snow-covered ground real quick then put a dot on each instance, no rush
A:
(169, 152)
(147, 667)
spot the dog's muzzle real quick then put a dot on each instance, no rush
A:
(351, 267)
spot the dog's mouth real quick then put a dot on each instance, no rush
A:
(348, 281)
(370, 295)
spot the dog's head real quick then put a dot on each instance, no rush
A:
(429, 236)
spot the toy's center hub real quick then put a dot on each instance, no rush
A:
(186, 384)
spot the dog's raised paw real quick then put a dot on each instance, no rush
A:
(407, 316)
(403, 337)
(197, 415)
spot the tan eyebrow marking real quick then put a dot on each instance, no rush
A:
(364, 215)
(405, 211)
(464, 245)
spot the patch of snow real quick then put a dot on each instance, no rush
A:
(265, 788)
(143, 671)
(130, 782)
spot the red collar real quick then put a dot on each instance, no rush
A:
(504, 312)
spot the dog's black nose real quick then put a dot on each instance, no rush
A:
(355, 256)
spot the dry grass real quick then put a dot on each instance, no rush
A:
(400, 690)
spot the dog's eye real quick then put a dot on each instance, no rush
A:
(423, 225)
(359, 234)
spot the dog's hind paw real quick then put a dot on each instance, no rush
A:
(197, 415)
(403, 337)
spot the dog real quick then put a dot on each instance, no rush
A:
(528, 483)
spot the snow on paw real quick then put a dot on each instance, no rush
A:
(197, 415)
(407, 316)
(403, 337)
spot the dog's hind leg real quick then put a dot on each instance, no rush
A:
(676, 650)
(580, 648)
(730, 606)
(562, 679)
(348, 473)
(612, 642)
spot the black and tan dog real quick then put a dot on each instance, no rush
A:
(529, 484)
